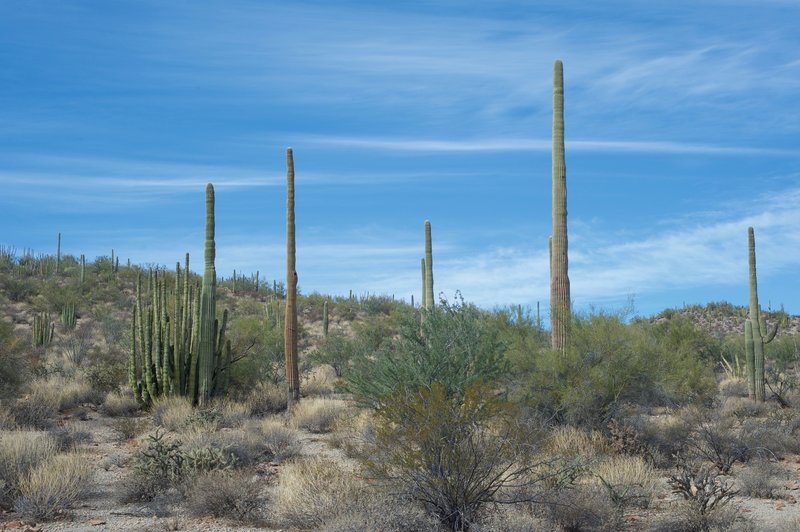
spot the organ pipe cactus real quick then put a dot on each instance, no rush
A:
(42, 329)
(68, 319)
(173, 332)
(755, 329)
(560, 314)
(290, 323)
(428, 295)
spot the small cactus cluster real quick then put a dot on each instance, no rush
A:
(42, 329)
(68, 318)
(756, 334)
(178, 347)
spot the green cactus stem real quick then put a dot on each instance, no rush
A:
(43, 329)
(325, 318)
(208, 309)
(429, 302)
(68, 318)
(58, 255)
(290, 323)
(756, 333)
(83, 269)
(560, 312)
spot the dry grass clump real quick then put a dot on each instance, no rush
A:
(583, 507)
(118, 404)
(761, 479)
(377, 510)
(313, 491)
(64, 393)
(230, 494)
(53, 486)
(171, 413)
(221, 449)
(232, 414)
(266, 399)
(21, 451)
(355, 435)
(282, 442)
(319, 381)
(129, 427)
(741, 408)
(317, 415)
(733, 387)
(37, 409)
(572, 442)
(630, 480)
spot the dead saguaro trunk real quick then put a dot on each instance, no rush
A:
(560, 313)
(290, 323)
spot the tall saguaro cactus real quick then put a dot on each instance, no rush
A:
(560, 314)
(755, 330)
(290, 323)
(208, 309)
(58, 254)
(428, 301)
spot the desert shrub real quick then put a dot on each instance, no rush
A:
(53, 486)
(38, 409)
(17, 289)
(155, 469)
(266, 398)
(281, 442)
(582, 508)
(377, 305)
(69, 435)
(105, 372)
(224, 494)
(338, 351)
(733, 387)
(313, 490)
(129, 427)
(21, 451)
(320, 380)
(232, 448)
(741, 408)
(768, 438)
(317, 415)
(13, 366)
(378, 510)
(454, 346)
(355, 435)
(63, 392)
(118, 404)
(453, 454)
(716, 442)
(761, 479)
(629, 480)
(705, 495)
(570, 442)
(171, 413)
(258, 344)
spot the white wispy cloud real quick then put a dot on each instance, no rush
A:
(540, 145)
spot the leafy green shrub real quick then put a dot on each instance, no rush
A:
(610, 363)
(258, 344)
(13, 366)
(453, 345)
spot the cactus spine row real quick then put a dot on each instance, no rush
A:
(560, 313)
(290, 323)
(756, 334)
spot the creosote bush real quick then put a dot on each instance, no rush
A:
(234, 495)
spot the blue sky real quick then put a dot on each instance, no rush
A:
(682, 121)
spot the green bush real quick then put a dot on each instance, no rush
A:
(453, 345)
(13, 366)
(610, 363)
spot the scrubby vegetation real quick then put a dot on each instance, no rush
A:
(464, 418)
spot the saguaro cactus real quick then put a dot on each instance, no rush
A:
(83, 269)
(208, 309)
(290, 323)
(756, 334)
(325, 318)
(428, 301)
(58, 254)
(560, 314)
